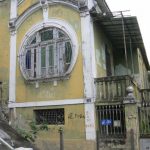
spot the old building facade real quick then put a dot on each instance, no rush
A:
(67, 64)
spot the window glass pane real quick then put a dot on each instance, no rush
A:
(34, 54)
(51, 56)
(33, 41)
(43, 57)
(68, 52)
(61, 34)
(28, 59)
(47, 35)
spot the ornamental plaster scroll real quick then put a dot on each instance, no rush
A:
(38, 6)
(62, 25)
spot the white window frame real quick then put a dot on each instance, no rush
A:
(60, 24)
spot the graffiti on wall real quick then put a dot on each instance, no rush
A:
(75, 116)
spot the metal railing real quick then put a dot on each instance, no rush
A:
(114, 88)
(111, 121)
(144, 119)
(145, 94)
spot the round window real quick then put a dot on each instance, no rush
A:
(46, 54)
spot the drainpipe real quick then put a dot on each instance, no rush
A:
(6, 144)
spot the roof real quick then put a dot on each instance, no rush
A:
(112, 24)
(103, 6)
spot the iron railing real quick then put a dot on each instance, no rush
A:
(114, 88)
(111, 121)
(144, 119)
(50, 116)
(145, 94)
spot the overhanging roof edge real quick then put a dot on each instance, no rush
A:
(106, 21)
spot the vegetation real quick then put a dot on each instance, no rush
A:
(31, 134)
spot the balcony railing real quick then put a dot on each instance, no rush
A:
(145, 95)
(112, 89)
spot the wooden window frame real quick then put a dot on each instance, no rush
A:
(37, 72)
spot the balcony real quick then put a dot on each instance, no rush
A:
(113, 89)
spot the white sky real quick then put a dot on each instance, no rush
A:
(138, 8)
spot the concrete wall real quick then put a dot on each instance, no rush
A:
(143, 72)
(65, 89)
(73, 126)
(73, 129)
(72, 88)
(24, 5)
(4, 48)
(100, 41)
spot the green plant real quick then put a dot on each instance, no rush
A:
(31, 134)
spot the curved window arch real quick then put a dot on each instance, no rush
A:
(46, 54)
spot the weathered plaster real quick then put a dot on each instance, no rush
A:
(73, 127)
(25, 5)
(4, 41)
(65, 89)
(100, 41)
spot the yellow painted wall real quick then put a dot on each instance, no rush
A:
(4, 40)
(73, 127)
(77, 144)
(4, 50)
(25, 5)
(66, 89)
(69, 15)
(143, 73)
(100, 41)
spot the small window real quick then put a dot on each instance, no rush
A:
(50, 116)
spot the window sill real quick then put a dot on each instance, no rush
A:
(59, 78)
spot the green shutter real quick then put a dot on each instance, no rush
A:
(51, 56)
(68, 52)
(43, 57)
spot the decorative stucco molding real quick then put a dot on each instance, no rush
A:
(38, 6)
(61, 24)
